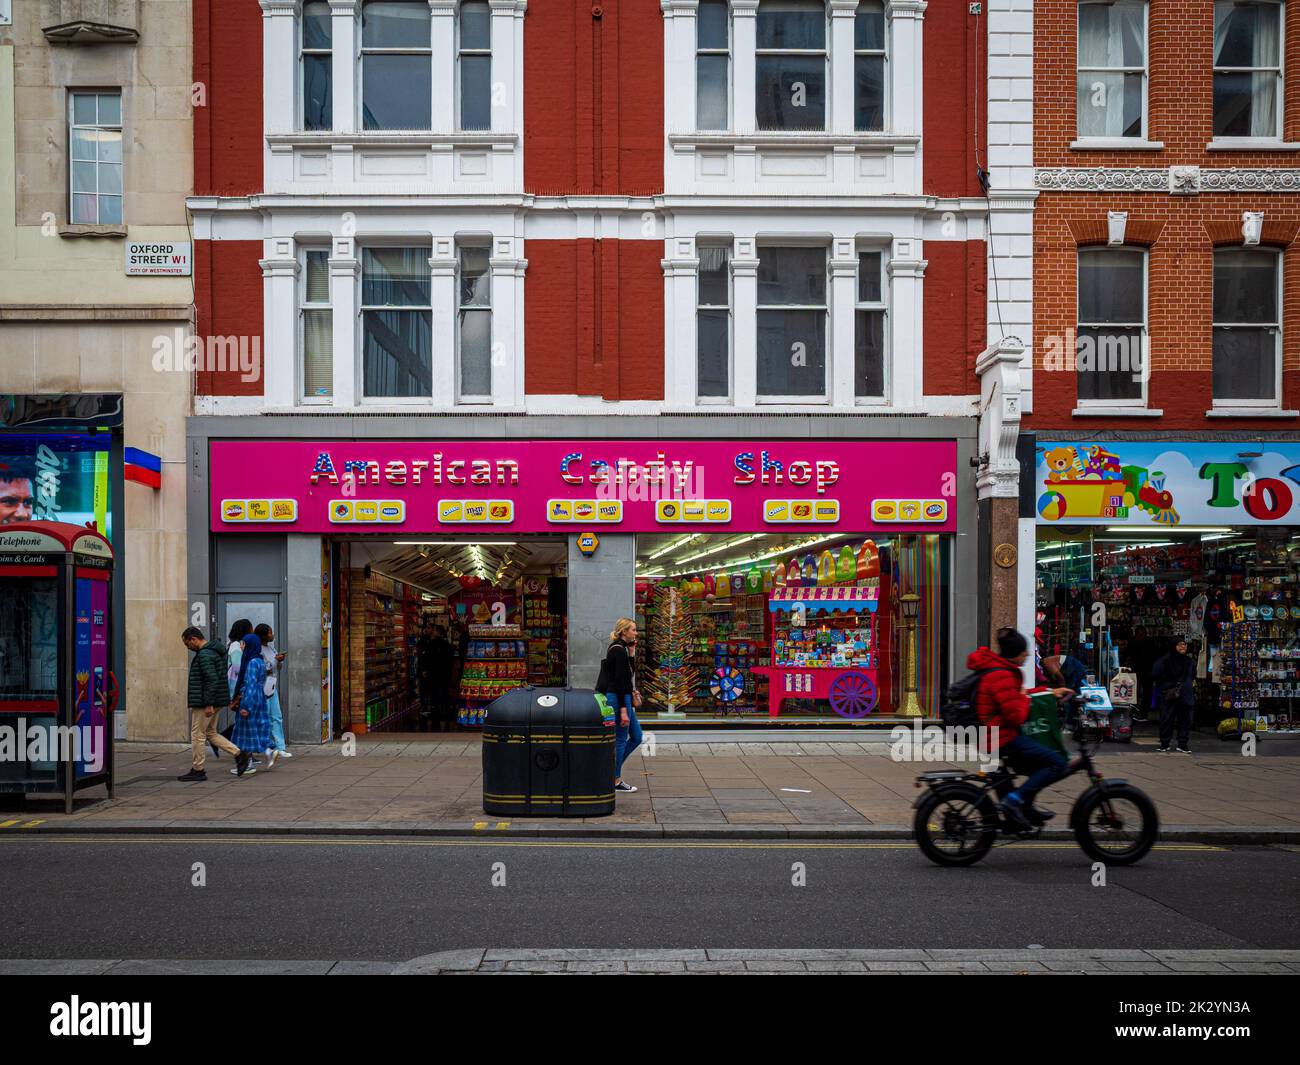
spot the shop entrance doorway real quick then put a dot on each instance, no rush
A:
(427, 631)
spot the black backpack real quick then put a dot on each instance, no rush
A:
(958, 709)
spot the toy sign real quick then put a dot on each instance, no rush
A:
(1168, 484)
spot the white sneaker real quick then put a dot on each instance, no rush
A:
(284, 754)
(623, 785)
(247, 772)
(271, 756)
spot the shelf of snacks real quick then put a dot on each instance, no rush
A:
(495, 662)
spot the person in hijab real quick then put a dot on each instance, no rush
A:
(252, 731)
(272, 658)
(1172, 677)
(235, 651)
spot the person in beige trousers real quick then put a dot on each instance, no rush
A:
(208, 692)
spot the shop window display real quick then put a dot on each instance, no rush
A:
(790, 627)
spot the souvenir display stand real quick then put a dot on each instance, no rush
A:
(824, 647)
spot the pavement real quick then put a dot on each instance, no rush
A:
(481, 961)
(732, 784)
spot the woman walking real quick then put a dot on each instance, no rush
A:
(235, 652)
(252, 731)
(271, 658)
(617, 681)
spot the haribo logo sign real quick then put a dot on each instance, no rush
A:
(1168, 484)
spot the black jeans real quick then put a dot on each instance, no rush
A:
(1175, 713)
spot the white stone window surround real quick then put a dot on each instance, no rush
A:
(904, 273)
(280, 271)
(748, 147)
(333, 159)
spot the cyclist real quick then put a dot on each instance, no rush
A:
(1001, 701)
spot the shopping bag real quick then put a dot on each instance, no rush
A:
(1044, 723)
(606, 711)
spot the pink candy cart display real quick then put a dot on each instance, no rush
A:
(824, 647)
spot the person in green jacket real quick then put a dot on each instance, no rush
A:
(208, 691)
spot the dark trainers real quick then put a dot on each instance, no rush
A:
(241, 763)
(1015, 813)
(1039, 817)
(1183, 750)
(1163, 749)
(623, 785)
(193, 774)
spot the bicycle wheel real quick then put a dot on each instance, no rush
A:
(1116, 826)
(956, 826)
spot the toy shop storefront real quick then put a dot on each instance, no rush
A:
(1143, 542)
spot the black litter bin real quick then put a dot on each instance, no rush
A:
(547, 752)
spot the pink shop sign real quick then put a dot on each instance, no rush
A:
(536, 486)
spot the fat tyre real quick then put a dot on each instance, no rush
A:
(1148, 830)
(984, 824)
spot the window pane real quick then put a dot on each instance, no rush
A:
(869, 25)
(1111, 363)
(110, 145)
(395, 277)
(869, 280)
(792, 275)
(869, 92)
(1245, 35)
(476, 92)
(791, 24)
(1110, 105)
(317, 25)
(83, 108)
(1245, 105)
(110, 109)
(318, 277)
(83, 143)
(713, 329)
(83, 177)
(475, 353)
(85, 210)
(395, 24)
(791, 92)
(714, 282)
(475, 26)
(475, 278)
(317, 353)
(1244, 365)
(711, 92)
(1112, 35)
(711, 25)
(792, 353)
(110, 210)
(869, 354)
(396, 91)
(1245, 287)
(1111, 287)
(397, 353)
(110, 178)
(317, 97)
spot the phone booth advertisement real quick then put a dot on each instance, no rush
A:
(57, 688)
(824, 648)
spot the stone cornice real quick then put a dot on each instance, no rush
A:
(1178, 180)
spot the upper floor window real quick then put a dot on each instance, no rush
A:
(1111, 360)
(475, 65)
(713, 321)
(474, 322)
(869, 66)
(869, 327)
(396, 322)
(396, 64)
(792, 315)
(1112, 72)
(316, 325)
(95, 151)
(712, 65)
(1247, 69)
(1247, 326)
(790, 65)
(317, 62)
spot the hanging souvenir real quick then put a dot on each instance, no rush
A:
(753, 581)
(846, 568)
(707, 580)
(768, 579)
(722, 586)
(868, 560)
(825, 570)
(1160, 591)
(792, 574)
(737, 584)
(778, 575)
(808, 567)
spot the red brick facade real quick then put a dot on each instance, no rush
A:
(228, 303)
(954, 326)
(228, 125)
(1181, 232)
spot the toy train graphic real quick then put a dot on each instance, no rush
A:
(1091, 482)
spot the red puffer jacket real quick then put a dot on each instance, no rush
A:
(1000, 698)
